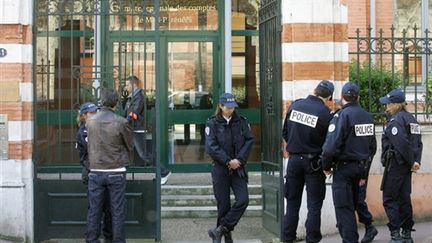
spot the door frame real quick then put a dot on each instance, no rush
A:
(168, 117)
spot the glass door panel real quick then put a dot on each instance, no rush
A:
(136, 59)
(190, 100)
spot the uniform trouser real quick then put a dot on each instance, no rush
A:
(345, 189)
(365, 217)
(223, 181)
(397, 197)
(299, 173)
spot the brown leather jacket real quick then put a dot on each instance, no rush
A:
(110, 140)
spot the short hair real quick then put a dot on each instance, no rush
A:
(322, 92)
(133, 79)
(350, 98)
(109, 98)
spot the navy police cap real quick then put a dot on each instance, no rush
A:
(395, 96)
(228, 100)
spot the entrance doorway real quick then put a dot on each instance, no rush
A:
(188, 73)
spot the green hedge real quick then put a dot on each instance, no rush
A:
(374, 81)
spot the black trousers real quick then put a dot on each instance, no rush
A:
(300, 173)
(225, 180)
(365, 217)
(397, 197)
(345, 189)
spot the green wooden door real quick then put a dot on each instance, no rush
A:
(271, 115)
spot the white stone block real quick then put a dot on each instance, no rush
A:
(20, 130)
(16, 12)
(296, 89)
(17, 53)
(26, 92)
(314, 11)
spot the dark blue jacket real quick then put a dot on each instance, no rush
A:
(350, 137)
(227, 141)
(134, 110)
(305, 125)
(402, 134)
(81, 145)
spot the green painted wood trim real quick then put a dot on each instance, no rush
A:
(56, 117)
(245, 33)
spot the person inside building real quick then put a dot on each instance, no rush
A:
(86, 111)
(401, 154)
(134, 113)
(304, 131)
(348, 149)
(109, 144)
(228, 142)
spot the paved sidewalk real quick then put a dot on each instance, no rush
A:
(250, 230)
(423, 234)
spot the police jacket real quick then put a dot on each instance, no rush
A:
(228, 140)
(350, 137)
(81, 145)
(134, 109)
(110, 140)
(403, 135)
(305, 125)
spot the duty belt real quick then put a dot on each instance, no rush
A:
(305, 155)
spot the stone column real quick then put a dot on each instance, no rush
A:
(16, 97)
(314, 47)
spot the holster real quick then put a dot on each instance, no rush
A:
(388, 158)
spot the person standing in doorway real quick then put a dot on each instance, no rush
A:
(110, 142)
(86, 111)
(134, 113)
(401, 154)
(304, 131)
(228, 142)
(348, 149)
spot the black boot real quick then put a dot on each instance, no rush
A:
(217, 233)
(406, 236)
(370, 234)
(228, 237)
(395, 237)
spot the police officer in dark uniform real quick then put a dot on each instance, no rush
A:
(349, 148)
(304, 131)
(401, 154)
(228, 142)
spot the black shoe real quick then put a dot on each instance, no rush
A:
(370, 234)
(217, 233)
(395, 237)
(406, 236)
(228, 237)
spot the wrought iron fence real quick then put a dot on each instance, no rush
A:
(383, 62)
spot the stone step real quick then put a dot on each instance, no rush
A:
(200, 190)
(203, 211)
(200, 200)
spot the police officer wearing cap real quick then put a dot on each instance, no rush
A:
(228, 142)
(348, 149)
(304, 131)
(401, 154)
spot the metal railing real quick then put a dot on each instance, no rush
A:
(392, 59)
